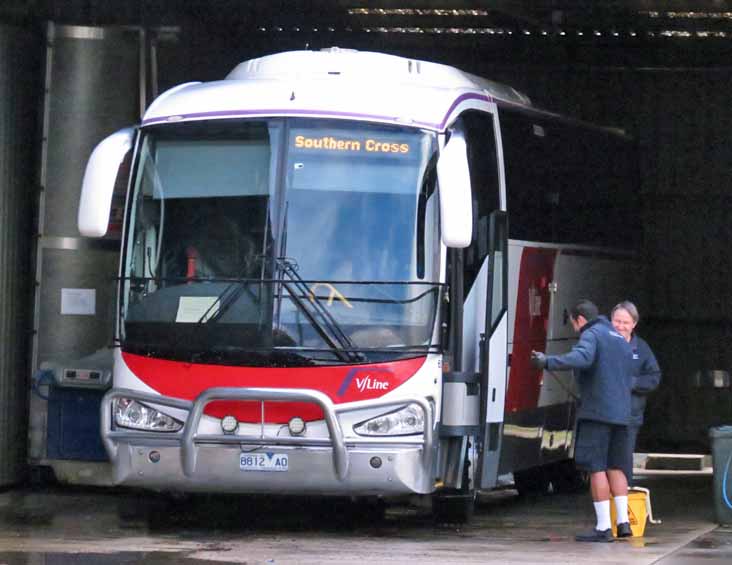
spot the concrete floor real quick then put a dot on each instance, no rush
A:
(59, 526)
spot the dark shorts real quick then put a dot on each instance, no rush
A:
(602, 446)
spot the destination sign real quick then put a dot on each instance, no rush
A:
(350, 145)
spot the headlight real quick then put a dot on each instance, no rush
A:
(406, 421)
(129, 413)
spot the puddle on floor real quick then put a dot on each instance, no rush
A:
(123, 557)
(640, 542)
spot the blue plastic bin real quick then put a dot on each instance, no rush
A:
(721, 439)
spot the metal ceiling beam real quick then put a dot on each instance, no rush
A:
(534, 14)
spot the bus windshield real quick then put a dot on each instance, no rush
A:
(284, 241)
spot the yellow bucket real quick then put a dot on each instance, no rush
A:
(638, 510)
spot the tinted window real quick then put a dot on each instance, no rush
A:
(480, 135)
(569, 184)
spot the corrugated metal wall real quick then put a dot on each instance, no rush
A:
(687, 156)
(18, 91)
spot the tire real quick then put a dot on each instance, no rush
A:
(374, 511)
(455, 507)
(567, 479)
(42, 476)
(531, 481)
(157, 511)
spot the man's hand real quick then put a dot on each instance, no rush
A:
(538, 360)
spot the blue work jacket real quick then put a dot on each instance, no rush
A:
(603, 363)
(646, 377)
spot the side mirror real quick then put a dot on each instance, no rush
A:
(456, 203)
(99, 180)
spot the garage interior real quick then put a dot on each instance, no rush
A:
(659, 70)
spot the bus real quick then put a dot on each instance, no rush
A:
(334, 267)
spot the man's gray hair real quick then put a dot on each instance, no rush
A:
(629, 307)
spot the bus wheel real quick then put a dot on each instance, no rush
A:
(453, 507)
(567, 479)
(370, 511)
(531, 481)
(42, 476)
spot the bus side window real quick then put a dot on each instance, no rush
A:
(566, 183)
(484, 179)
(531, 185)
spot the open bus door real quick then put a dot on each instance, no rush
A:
(473, 404)
(493, 355)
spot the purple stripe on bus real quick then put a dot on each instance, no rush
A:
(459, 100)
(282, 111)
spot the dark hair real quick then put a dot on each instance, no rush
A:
(586, 309)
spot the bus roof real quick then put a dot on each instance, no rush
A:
(337, 83)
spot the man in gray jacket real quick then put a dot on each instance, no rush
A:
(602, 361)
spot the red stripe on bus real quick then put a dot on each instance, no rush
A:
(341, 383)
(530, 326)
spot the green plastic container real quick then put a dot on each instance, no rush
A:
(721, 439)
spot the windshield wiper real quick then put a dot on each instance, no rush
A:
(328, 328)
(218, 307)
(226, 299)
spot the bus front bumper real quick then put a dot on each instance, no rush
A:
(190, 461)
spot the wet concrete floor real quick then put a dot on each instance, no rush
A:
(87, 526)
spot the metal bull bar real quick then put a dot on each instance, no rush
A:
(188, 438)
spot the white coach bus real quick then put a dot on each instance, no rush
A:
(334, 267)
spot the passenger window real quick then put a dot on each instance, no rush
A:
(568, 182)
(498, 286)
(484, 179)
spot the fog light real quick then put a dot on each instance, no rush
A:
(296, 426)
(229, 424)
(154, 456)
(375, 462)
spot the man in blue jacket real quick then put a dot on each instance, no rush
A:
(602, 360)
(646, 371)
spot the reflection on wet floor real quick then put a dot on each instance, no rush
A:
(124, 557)
(719, 539)
(713, 548)
(640, 542)
(64, 525)
(249, 513)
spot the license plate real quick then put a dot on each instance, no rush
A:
(263, 462)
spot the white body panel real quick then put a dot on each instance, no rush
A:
(334, 83)
(545, 425)
(498, 372)
(474, 324)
